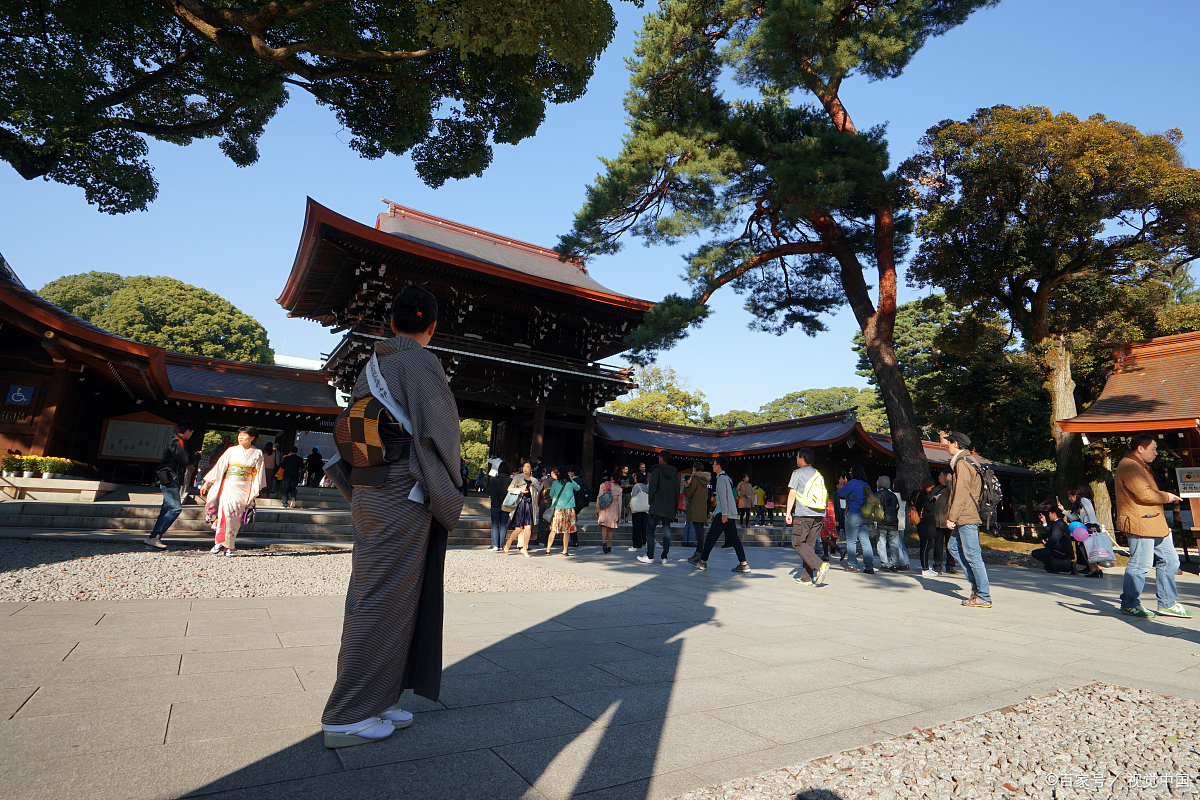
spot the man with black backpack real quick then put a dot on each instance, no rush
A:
(170, 474)
(963, 518)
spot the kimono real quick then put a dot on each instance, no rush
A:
(236, 479)
(392, 631)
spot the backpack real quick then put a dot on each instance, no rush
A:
(605, 499)
(891, 508)
(990, 493)
(871, 510)
(815, 495)
(581, 497)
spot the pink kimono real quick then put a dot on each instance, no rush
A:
(236, 478)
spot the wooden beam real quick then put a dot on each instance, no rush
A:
(43, 436)
(539, 428)
(589, 448)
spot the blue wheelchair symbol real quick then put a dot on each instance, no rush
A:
(19, 395)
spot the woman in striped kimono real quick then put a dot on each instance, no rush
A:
(231, 486)
(392, 632)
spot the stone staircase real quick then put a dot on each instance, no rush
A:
(321, 516)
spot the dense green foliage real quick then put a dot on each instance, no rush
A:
(917, 324)
(810, 402)
(662, 396)
(476, 440)
(84, 84)
(162, 311)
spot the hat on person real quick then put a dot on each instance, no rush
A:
(960, 439)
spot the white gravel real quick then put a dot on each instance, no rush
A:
(1097, 741)
(40, 569)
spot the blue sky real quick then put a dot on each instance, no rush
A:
(235, 230)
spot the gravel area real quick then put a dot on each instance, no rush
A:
(1095, 741)
(53, 570)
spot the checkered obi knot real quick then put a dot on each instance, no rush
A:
(238, 473)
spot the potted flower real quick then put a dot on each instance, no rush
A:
(11, 466)
(29, 466)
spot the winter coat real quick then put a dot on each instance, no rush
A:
(1139, 500)
(745, 495)
(664, 490)
(697, 497)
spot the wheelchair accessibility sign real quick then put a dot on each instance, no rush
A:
(19, 395)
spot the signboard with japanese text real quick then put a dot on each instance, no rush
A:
(1189, 482)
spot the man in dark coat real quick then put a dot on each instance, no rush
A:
(293, 471)
(664, 505)
(170, 472)
(316, 466)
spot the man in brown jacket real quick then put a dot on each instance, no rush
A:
(963, 520)
(1140, 516)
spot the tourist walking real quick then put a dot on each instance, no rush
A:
(542, 521)
(639, 511)
(807, 505)
(392, 631)
(1140, 517)
(696, 513)
(497, 493)
(293, 470)
(271, 459)
(562, 500)
(230, 488)
(608, 509)
(829, 533)
(858, 530)
(745, 500)
(522, 518)
(921, 516)
(583, 498)
(760, 505)
(171, 474)
(724, 521)
(664, 500)
(769, 503)
(963, 519)
(315, 466)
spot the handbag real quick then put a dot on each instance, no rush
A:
(914, 516)
(248, 514)
(548, 514)
(1099, 548)
(510, 500)
(279, 474)
(639, 502)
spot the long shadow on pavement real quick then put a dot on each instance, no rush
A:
(574, 705)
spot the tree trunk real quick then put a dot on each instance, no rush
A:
(1068, 447)
(1103, 502)
(877, 325)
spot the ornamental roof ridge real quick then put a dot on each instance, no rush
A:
(395, 209)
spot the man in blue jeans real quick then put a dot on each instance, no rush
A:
(664, 504)
(854, 491)
(1140, 515)
(170, 472)
(963, 519)
(497, 491)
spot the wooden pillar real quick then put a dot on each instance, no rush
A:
(44, 434)
(589, 448)
(286, 439)
(539, 428)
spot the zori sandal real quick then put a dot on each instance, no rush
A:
(351, 737)
(398, 717)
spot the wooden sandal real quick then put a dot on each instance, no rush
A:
(350, 738)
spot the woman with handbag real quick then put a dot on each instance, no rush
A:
(609, 516)
(230, 488)
(562, 504)
(639, 511)
(525, 512)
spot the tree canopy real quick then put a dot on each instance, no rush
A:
(793, 201)
(162, 311)
(662, 396)
(476, 438)
(1048, 218)
(84, 84)
(810, 402)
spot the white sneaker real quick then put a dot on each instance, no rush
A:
(662, 560)
(644, 559)
(928, 573)
(633, 549)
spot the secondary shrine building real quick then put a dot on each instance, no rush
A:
(520, 333)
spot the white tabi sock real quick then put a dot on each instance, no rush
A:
(380, 730)
(397, 714)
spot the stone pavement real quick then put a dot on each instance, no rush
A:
(683, 679)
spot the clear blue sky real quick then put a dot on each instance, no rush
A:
(234, 231)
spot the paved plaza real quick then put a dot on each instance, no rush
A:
(681, 680)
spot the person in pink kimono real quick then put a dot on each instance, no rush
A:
(231, 486)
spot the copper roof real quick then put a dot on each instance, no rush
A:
(1154, 386)
(772, 437)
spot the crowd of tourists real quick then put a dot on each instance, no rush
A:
(406, 482)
